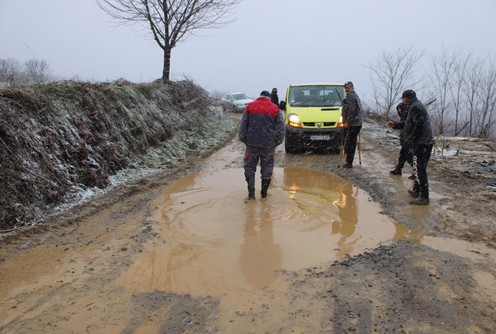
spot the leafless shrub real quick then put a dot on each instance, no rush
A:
(464, 88)
(391, 74)
(10, 70)
(37, 71)
(32, 71)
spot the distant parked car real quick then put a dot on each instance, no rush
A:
(235, 102)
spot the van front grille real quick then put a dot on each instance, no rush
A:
(324, 124)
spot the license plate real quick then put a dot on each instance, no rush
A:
(320, 137)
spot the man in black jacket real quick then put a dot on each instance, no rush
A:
(418, 135)
(405, 152)
(274, 97)
(352, 122)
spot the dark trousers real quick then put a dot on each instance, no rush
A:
(421, 156)
(406, 155)
(266, 158)
(350, 136)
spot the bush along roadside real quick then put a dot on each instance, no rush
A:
(61, 140)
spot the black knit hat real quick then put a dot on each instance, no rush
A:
(265, 93)
(409, 94)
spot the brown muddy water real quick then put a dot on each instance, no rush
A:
(219, 243)
(208, 240)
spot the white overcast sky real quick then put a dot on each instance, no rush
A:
(271, 43)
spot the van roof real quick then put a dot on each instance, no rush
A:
(319, 84)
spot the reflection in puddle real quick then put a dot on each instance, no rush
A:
(260, 257)
(218, 243)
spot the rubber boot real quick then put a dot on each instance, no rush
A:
(251, 187)
(420, 201)
(265, 187)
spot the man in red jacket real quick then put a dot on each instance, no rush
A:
(262, 129)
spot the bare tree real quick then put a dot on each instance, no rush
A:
(444, 69)
(37, 71)
(473, 84)
(391, 74)
(487, 98)
(10, 70)
(170, 21)
(456, 91)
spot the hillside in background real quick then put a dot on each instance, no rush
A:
(61, 141)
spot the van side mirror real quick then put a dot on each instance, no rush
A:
(282, 105)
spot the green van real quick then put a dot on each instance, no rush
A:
(313, 116)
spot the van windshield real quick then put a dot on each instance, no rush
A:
(316, 96)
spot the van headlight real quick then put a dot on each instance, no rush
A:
(294, 121)
(340, 122)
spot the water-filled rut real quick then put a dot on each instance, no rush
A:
(217, 242)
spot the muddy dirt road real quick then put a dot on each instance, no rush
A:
(329, 251)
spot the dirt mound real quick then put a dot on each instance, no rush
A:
(61, 142)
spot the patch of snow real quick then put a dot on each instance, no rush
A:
(126, 175)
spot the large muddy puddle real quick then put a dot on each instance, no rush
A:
(203, 239)
(217, 242)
